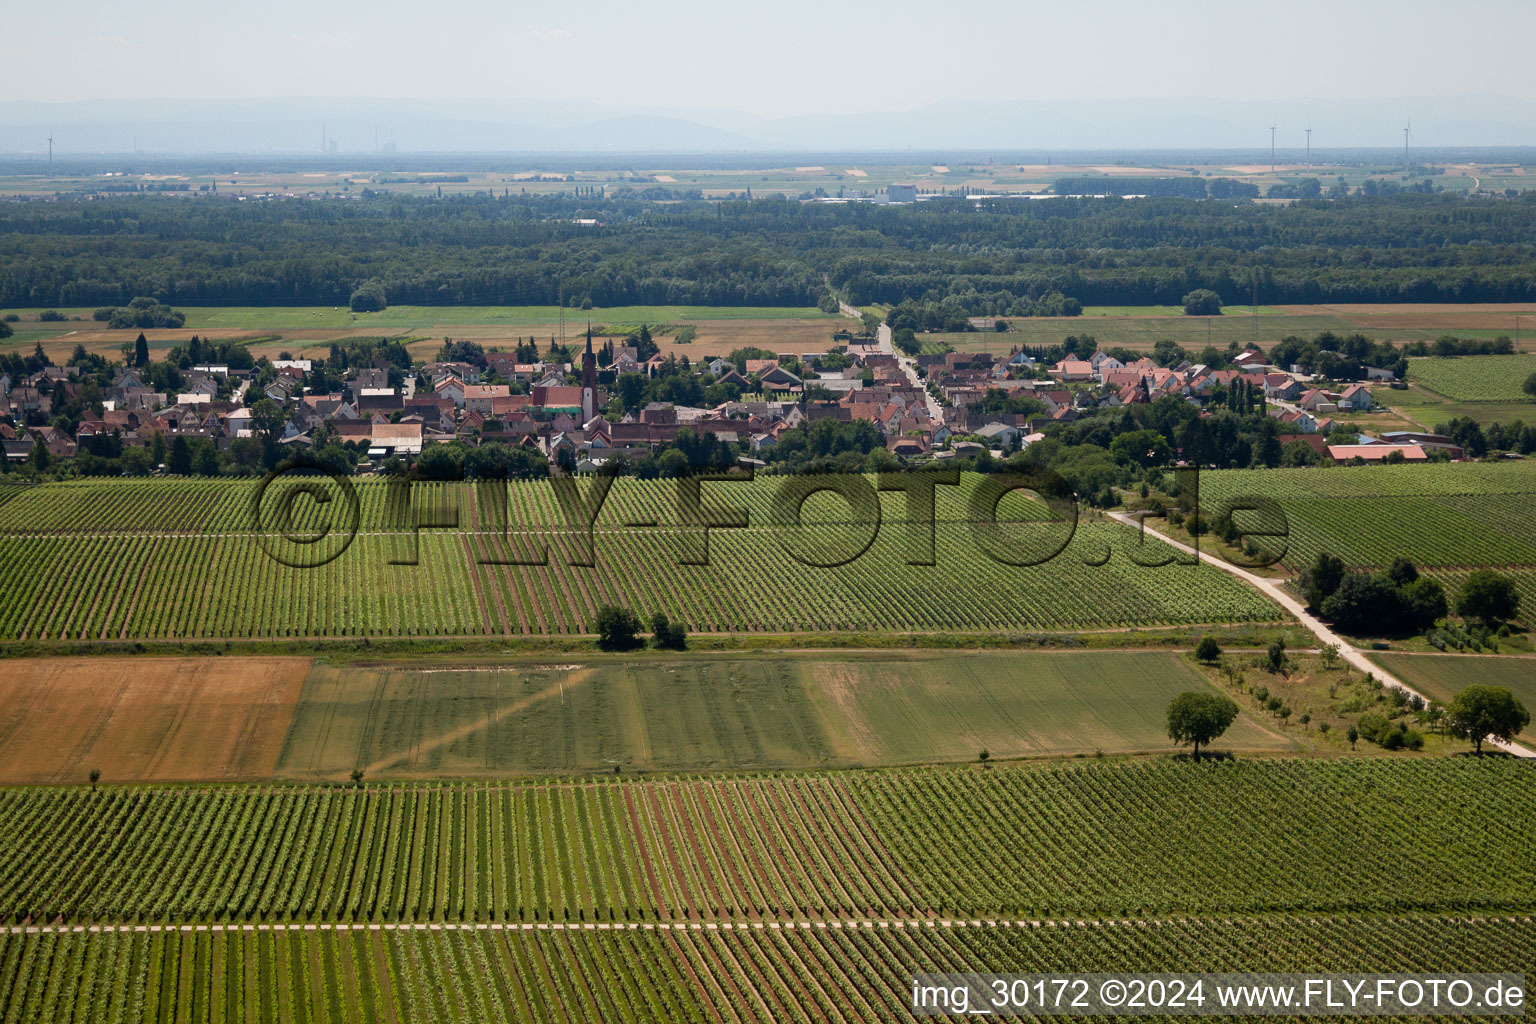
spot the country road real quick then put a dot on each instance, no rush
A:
(1277, 593)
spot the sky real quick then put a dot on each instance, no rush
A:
(789, 58)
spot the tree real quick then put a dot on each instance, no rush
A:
(1489, 596)
(1202, 302)
(1199, 717)
(616, 628)
(1353, 736)
(1207, 650)
(181, 458)
(668, 635)
(357, 777)
(95, 778)
(984, 756)
(1529, 387)
(267, 419)
(141, 350)
(1274, 658)
(40, 457)
(1320, 581)
(1330, 655)
(369, 297)
(6, 332)
(1478, 712)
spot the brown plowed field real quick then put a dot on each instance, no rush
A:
(145, 719)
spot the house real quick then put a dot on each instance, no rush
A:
(479, 397)
(1429, 442)
(565, 398)
(1282, 386)
(1000, 434)
(1356, 398)
(1372, 373)
(1072, 369)
(1376, 452)
(394, 438)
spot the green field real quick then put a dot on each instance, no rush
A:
(178, 559)
(704, 712)
(1476, 378)
(1441, 676)
(1428, 409)
(679, 974)
(261, 318)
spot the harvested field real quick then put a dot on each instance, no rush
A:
(145, 719)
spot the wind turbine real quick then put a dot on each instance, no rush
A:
(1407, 129)
(1309, 147)
(50, 150)
(1271, 145)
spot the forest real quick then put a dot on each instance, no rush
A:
(995, 255)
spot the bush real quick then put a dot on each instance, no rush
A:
(668, 635)
(51, 316)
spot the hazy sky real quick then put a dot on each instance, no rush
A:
(790, 57)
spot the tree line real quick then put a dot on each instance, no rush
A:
(995, 256)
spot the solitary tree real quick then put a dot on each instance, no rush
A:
(95, 778)
(1352, 735)
(616, 628)
(141, 350)
(1207, 650)
(1274, 659)
(1202, 302)
(357, 777)
(1489, 596)
(1478, 712)
(1199, 717)
(1330, 655)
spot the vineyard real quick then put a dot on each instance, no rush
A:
(1117, 838)
(1449, 518)
(180, 559)
(1475, 378)
(742, 974)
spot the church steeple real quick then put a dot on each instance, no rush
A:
(588, 379)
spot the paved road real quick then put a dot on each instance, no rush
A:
(1277, 593)
(885, 347)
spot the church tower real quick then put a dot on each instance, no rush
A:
(588, 380)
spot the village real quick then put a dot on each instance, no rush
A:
(583, 412)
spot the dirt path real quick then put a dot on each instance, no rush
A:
(1276, 592)
(555, 689)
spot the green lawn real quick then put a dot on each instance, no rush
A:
(659, 713)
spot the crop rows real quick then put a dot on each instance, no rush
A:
(1475, 378)
(742, 974)
(1118, 838)
(103, 561)
(1448, 518)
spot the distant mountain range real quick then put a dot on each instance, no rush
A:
(480, 125)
